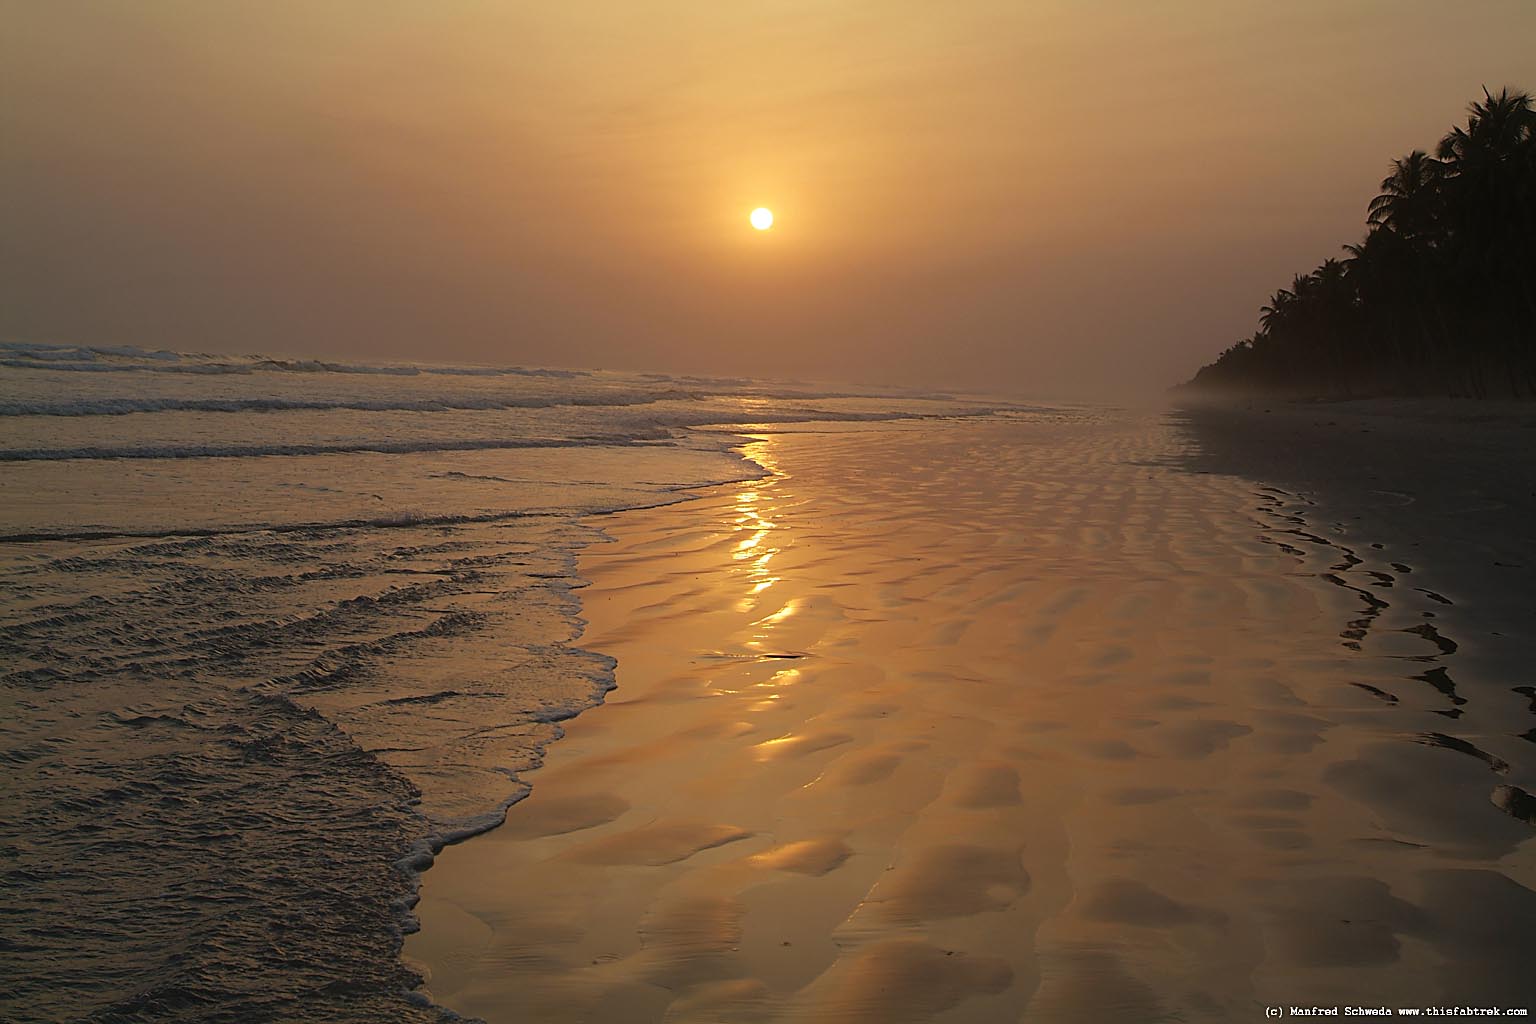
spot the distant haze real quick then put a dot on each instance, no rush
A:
(1042, 196)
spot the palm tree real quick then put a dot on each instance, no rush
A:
(1395, 304)
(1498, 130)
(1274, 316)
(1334, 318)
(1440, 292)
(1489, 168)
(1410, 199)
(1491, 177)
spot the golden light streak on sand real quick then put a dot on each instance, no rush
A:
(790, 607)
(1067, 736)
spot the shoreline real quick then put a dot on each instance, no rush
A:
(639, 873)
(423, 854)
(1447, 484)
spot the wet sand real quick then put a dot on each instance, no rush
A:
(1001, 722)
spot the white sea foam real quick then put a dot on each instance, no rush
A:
(247, 577)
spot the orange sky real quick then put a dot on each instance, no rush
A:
(1052, 197)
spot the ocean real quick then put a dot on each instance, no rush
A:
(275, 631)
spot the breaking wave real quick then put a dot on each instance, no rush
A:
(256, 692)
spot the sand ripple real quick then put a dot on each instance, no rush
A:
(1069, 734)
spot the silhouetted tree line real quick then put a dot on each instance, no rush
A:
(1439, 298)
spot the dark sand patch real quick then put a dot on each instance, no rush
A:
(950, 881)
(1088, 983)
(1109, 750)
(690, 941)
(1132, 795)
(657, 844)
(902, 981)
(863, 770)
(549, 814)
(1430, 793)
(1126, 901)
(1201, 738)
(1340, 922)
(739, 999)
(984, 785)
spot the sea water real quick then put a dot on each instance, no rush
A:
(273, 631)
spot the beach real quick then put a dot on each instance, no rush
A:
(345, 692)
(1038, 720)
(774, 513)
(274, 631)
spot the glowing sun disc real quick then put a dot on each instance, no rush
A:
(762, 218)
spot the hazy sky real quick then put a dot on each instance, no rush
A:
(1042, 195)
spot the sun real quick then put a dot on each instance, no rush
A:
(762, 218)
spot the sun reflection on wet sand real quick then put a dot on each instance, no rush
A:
(1012, 780)
(755, 512)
